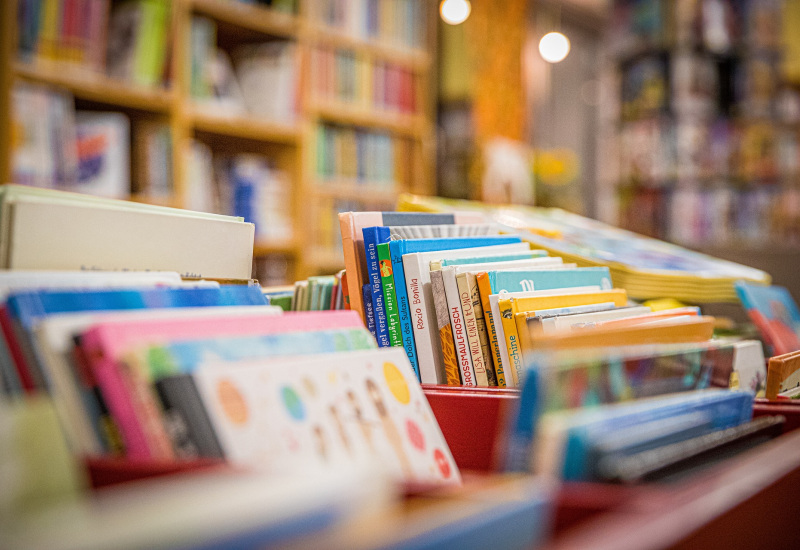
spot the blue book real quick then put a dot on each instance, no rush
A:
(524, 280)
(373, 236)
(27, 307)
(495, 258)
(407, 246)
(724, 408)
(366, 295)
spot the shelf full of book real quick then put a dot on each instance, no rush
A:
(215, 104)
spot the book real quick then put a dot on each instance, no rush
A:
(647, 268)
(409, 292)
(338, 408)
(137, 39)
(374, 236)
(478, 338)
(783, 374)
(774, 312)
(565, 438)
(75, 402)
(103, 149)
(209, 246)
(369, 311)
(389, 294)
(351, 224)
(507, 309)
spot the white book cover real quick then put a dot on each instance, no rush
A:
(84, 237)
(562, 322)
(494, 300)
(312, 413)
(426, 335)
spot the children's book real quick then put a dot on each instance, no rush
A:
(389, 295)
(352, 223)
(316, 412)
(77, 405)
(416, 257)
(774, 312)
(374, 236)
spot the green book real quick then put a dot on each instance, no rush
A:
(389, 296)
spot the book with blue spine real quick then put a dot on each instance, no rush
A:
(27, 307)
(406, 246)
(369, 314)
(373, 236)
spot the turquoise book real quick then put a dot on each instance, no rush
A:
(524, 280)
(495, 258)
(407, 246)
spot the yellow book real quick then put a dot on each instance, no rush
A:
(485, 289)
(670, 331)
(509, 307)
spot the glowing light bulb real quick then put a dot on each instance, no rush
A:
(455, 12)
(554, 47)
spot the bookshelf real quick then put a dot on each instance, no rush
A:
(400, 53)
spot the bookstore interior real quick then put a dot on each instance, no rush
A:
(395, 273)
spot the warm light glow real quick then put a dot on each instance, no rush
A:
(454, 12)
(554, 47)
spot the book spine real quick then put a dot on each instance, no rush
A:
(505, 306)
(484, 288)
(471, 330)
(366, 293)
(521, 320)
(190, 427)
(356, 303)
(459, 331)
(373, 236)
(398, 271)
(389, 295)
(428, 352)
(345, 292)
(451, 369)
(480, 325)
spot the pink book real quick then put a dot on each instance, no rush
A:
(135, 408)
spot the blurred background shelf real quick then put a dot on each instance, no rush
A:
(95, 87)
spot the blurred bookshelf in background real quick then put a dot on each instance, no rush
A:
(264, 110)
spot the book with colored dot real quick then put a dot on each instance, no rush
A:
(312, 413)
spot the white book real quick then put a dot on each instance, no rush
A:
(562, 322)
(312, 413)
(426, 336)
(494, 300)
(43, 235)
(53, 339)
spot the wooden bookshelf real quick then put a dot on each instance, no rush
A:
(291, 146)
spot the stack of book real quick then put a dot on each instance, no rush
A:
(646, 268)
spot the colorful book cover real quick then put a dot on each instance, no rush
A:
(513, 281)
(353, 408)
(484, 289)
(774, 312)
(389, 294)
(480, 325)
(374, 236)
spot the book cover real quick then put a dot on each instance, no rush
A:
(389, 294)
(369, 313)
(463, 356)
(774, 312)
(374, 236)
(94, 238)
(360, 407)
